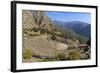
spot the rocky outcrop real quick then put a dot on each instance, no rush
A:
(27, 19)
(36, 19)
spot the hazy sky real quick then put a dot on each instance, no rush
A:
(69, 16)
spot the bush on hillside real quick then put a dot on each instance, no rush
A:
(42, 31)
(75, 55)
(53, 37)
(27, 54)
(60, 56)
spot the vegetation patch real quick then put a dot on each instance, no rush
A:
(60, 56)
(27, 54)
(75, 55)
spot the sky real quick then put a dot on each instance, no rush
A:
(69, 16)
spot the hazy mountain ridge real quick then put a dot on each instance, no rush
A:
(81, 28)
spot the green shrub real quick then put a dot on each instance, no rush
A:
(60, 56)
(27, 54)
(53, 37)
(42, 31)
(45, 60)
(33, 34)
(35, 29)
(75, 55)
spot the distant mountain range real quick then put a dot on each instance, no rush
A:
(78, 27)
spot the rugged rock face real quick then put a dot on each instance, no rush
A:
(36, 19)
(27, 19)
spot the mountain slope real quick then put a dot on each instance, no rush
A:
(77, 26)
